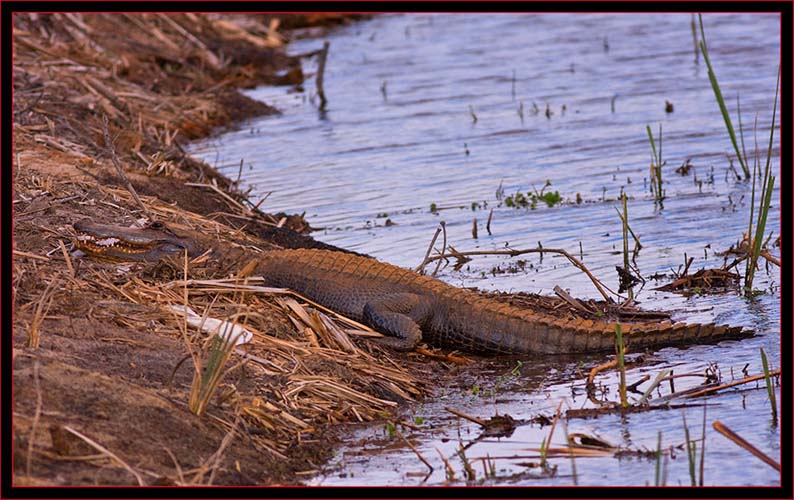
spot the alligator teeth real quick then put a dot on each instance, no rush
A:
(91, 240)
(107, 242)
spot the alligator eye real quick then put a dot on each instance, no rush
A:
(156, 225)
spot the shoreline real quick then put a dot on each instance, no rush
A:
(94, 348)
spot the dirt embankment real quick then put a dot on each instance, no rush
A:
(102, 367)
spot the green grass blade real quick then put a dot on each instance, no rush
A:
(759, 230)
(703, 448)
(720, 100)
(621, 366)
(659, 160)
(691, 452)
(767, 187)
(650, 138)
(741, 131)
(658, 460)
(769, 388)
(772, 128)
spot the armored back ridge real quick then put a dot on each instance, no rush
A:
(406, 306)
(410, 307)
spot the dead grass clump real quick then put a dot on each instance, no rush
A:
(282, 386)
(324, 374)
(170, 77)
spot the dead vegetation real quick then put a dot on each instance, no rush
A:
(303, 368)
(101, 385)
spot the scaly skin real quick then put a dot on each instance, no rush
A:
(118, 243)
(411, 307)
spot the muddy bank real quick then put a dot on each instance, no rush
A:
(101, 383)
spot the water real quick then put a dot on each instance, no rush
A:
(399, 135)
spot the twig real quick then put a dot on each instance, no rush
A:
(107, 452)
(179, 474)
(443, 247)
(478, 421)
(571, 300)
(231, 200)
(709, 390)
(67, 258)
(218, 455)
(321, 74)
(513, 253)
(447, 465)
(35, 424)
(603, 366)
(239, 174)
(120, 170)
(554, 425)
(633, 387)
(458, 360)
(773, 260)
(725, 431)
(488, 224)
(31, 255)
(42, 307)
(413, 448)
(421, 267)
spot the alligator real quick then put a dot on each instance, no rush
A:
(407, 307)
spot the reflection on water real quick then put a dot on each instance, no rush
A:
(558, 99)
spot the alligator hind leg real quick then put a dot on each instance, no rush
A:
(398, 316)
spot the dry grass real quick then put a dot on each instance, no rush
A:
(319, 373)
(108, 453)
(42, 307)
(308, 366)
(173, 78)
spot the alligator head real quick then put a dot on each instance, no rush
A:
(120, 243)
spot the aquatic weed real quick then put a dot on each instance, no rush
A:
(656, 165)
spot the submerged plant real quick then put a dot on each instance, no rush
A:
(531, 199)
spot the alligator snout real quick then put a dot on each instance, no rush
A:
(147, 244)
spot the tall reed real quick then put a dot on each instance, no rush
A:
(621, 366)
(767, 185)
(765, 200)
(769, 386)
(715, 86)
(656, 165)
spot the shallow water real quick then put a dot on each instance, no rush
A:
(371, 157)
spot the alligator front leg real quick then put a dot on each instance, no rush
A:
(398, 315)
